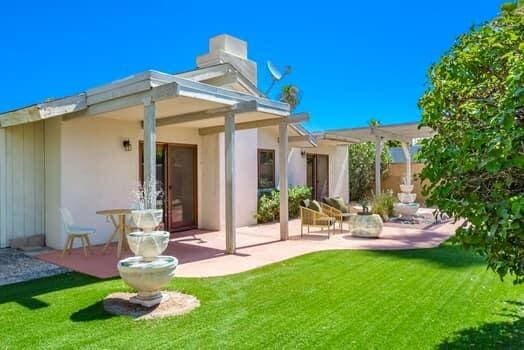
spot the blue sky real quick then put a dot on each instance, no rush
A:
(353, 60)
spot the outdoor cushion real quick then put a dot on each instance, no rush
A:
(329, 201)
(305, 203)
(81, 230)
(340, 205)
(314, 205)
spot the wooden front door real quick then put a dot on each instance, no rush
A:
(176, 173)
(318, 175)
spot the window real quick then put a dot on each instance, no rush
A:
(266, 168)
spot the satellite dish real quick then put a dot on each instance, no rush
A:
(276, 75)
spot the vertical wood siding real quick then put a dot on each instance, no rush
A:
(21, 181)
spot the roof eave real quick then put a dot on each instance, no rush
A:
(130, 91)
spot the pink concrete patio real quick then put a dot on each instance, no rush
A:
(201, 253)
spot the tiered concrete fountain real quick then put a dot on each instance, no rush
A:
(148, 271)
(407, 206)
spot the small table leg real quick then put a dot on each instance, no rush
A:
(115, 232)
(122, 234)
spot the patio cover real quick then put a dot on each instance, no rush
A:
(157, 99)
(404, 132)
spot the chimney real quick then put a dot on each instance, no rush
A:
(228, 49)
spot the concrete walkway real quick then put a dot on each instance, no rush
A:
(201, 253)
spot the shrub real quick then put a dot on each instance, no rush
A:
(269, 203)
(297, 194)
(382, 204)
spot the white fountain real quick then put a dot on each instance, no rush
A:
(148, 271)
(407, 206)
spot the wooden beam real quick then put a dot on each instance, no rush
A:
(301, 138)
(333, 137)
(388, 135)
(298, 118)
(121, 102)
(229, 122)
(149, 153)
(283, 182)
(241, 107)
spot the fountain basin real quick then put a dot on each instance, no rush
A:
(147, 277)
(406, 197)
(148, 245)
(406, 209)
(406, 188)
(147, 219)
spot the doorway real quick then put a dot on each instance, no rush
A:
(318, 175)
(176, 173)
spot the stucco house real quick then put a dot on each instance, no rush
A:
(209, 135)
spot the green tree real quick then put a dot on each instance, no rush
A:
(362, 168)
(475, 164)
(291, 94)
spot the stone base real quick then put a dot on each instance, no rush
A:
(172, 304)
(405, 209)
(149, 300)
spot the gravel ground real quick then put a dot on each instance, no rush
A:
(15, 266)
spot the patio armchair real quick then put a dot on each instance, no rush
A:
(73, 231)
(316, 218)
(340, 217)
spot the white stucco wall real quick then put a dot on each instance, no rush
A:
(297, 172)
(246, 177)
(296, 167)
(338, 168)
(96, 172)
(89, 170)
(210, 203)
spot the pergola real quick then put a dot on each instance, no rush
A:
(404, 132)
(155, 99)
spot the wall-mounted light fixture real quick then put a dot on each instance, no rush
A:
(127, 145)
(302, 153)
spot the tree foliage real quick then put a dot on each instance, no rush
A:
(475, 164)
(292, 95)
(362, 168)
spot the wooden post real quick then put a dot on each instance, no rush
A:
(378, 153)
(229, 136)
(282, 157)
(149, 153)
(407, 155)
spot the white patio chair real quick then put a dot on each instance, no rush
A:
(73, 231)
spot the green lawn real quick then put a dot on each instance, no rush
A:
(419, 299)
